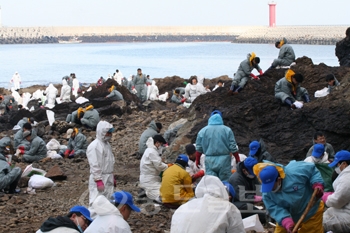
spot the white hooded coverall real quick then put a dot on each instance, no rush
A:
(16, 80)
(75, 87)
(151, 166)
(51, 93)
(337, 217)
(154, 92)
(193, 91)
(101, 161)
(210, 212)
(65, 91)
(109, 218)
(118, 77)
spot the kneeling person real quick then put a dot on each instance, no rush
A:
(288, 89)
(176, 188)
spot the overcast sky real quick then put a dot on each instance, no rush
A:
(171, 12)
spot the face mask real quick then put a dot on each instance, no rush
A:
(337, 170)
(107, 139)
(277, 188)
(317, 160)
(250, 176)
(78, 225)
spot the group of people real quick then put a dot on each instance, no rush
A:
(287, 89)
(194, 180)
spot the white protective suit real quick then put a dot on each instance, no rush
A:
(193, 91)
(209, 212)
(153, 92)
(75, 87)
(312, 159)
(337, 217)
(118, 77)
(101, 161)
(65, 91)
(151, 166)
(192, 167)
(16, 80)
(108, 219)
(51, 93)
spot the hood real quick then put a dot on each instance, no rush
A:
(215, 119)
(250, 57)
(51, 87)
(64, 82)
(262, 145)
(150, 143)
(200, 79)
(103, 206)
(53, 223)
(259, 166)
(153, 125)
(212, 186)
(153, 83)
(5, 141)
(283, 41)
(88, 108)
(102, 128)
(289, 75)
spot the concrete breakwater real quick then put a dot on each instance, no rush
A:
(237, 34)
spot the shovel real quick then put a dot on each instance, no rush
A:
(308, 207)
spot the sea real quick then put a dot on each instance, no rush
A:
(41, 64)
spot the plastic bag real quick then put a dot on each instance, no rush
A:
(40, 182)
(253, 223)
(29, 170)
(321, 93)
(326, 173)
(53, 144)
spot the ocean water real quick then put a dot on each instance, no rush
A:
(45, 63)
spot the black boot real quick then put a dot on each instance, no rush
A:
(239, 89)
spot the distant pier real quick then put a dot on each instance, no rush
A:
(236, 34)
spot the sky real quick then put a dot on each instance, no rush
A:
(25, 13)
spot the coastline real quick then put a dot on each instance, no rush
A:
(323, 35)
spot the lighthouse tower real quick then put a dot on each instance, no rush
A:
(272, 14)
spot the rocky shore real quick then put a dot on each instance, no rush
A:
(252, 114)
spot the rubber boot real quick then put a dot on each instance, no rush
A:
(232, 89)
(306, 98)
(238, 90)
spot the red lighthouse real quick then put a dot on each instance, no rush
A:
(272, 12)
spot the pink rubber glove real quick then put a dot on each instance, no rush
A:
(236, 155)
(254, 76)
(325, 196)
(288, 224)
(257, 198)
(320, 188)
(100, 185)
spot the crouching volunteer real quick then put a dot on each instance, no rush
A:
(337, 216)
(211, 210)
(77, 220)
(112, 215)
(287, 191)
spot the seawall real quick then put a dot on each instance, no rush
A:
(237, 34)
